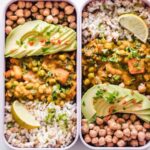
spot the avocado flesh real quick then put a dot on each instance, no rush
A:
(45, 30)
(127, 101)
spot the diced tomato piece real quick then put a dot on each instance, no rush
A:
(31, 43)
(61, 74)
(136, 66)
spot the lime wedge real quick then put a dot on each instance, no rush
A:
(22, 116)
(135, 25)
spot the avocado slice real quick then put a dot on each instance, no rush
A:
(22, 46)
(105, 99)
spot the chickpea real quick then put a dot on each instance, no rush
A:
(8, 29)
(34, 14)
(147, 136)
(102, 132)
(85, 129)
(93, 133)
(142, 88)
(55, 20)
(69, 10)
(91, 126)
(48, 4)
(126, 132)
(39, 17)
(41, 11)
(119, 126)
(71, 18)
(40, 4)
(54, 11)
(28, 4)
(146, 125)
(21, 4)
(13, 7)
(13, 18)
(73, 25)
(119, 134)
(131, 126)
(99, 121)
(9, 13)
(142, 143)
(61, 15)
(87, 138)
(141, 136)
(126, 116)
(46, 12)
(85, 14)
(120, 120)
(49, 19)
(62, 5)
(133, 118)
(21, 21)
(108, 138)
(96, 128)
(19, 12)
(121, 143)
(134, 133)
(134, 143)
(139, 127)
(9, 22)
(56, 4)
(114, 117)
(125, 125)
(113, 126)
(137, 123)
(115, 140)
(34, 9)
(110, 144)
(27, 13)
(102, 141)
(94, 140)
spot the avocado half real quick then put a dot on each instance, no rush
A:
(106, 99)
(56, 38)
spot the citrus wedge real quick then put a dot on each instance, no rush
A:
(23, 117)
(135, 25)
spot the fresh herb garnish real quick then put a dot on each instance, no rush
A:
(133, 52)
(99, 94)
(51, 115)
(45, 49)
(112, 97)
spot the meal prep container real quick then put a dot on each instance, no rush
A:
(78, 72)
(146, 146)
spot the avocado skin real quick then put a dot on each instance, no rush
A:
(17, 41)
(134, 103)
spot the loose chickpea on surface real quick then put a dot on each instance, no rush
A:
(55, 20)
(39, 17)
(46, 12)
(85, 129)
(21, 21)
(9, 13)
(21, 4)
(102, 141)
(49, 19)
(48, 4)
(141, 136)
(93, 133)
(54, 11)
(13, 17)
(134, 143)
(121, 143)
(28, 4)
(13, 7)
(73, 25)
(87, 138)
(108, 138)
(102, 132)
(94, 140)
(8, 29)
(119, 134)
(40, 4)
(71, 18)
(34, 9)
(69, 10)
(27, 13)
(19, 13)
(99, 121)
(62, 5)
(9, 22)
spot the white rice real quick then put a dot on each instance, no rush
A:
(48, 135)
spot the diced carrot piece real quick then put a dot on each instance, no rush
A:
(61, 74)
(136, 66)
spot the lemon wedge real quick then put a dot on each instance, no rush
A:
(23, 117)
(135, 25)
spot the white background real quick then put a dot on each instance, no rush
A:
(3, 3)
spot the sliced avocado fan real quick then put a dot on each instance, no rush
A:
(106, 99)
(39, 38)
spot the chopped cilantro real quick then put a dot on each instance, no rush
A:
(103, 58)
(99, 93)
(111, 97)
(45, 49)
(133, 52)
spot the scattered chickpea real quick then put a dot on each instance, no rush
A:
(139, 127)
(46, 12)
(21, 21)
(102, 132)
(55, 20)
(142, 88)
(134, 143)
(142, 143)
(13, 7)
(19, 13)
(93, 133)
(96, 128)
(9, 22)
(61, 15)
(27, 13)
(119, 134)
(121, 143)
(49, 19)
(13, 17)
(40, 4)
(85, 129)
(54, 11)
(8, 29)
(39, 17)
(126, 132)
(141, 136)
(94, 140)
(110, 144)
(147, 136)
(28, 4)
(115, 140)
(34, 9)
(9, 13)
(69, 10)
(71, 18)
(56, 4)
(48, 4)
(99, 121)
(108, 138)
(125, 125)
(87, 138)
(73, 25)
(21, 4)
(113, 126)
(146, 125)
(102, 141)
(62, 5)
(91, 126)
